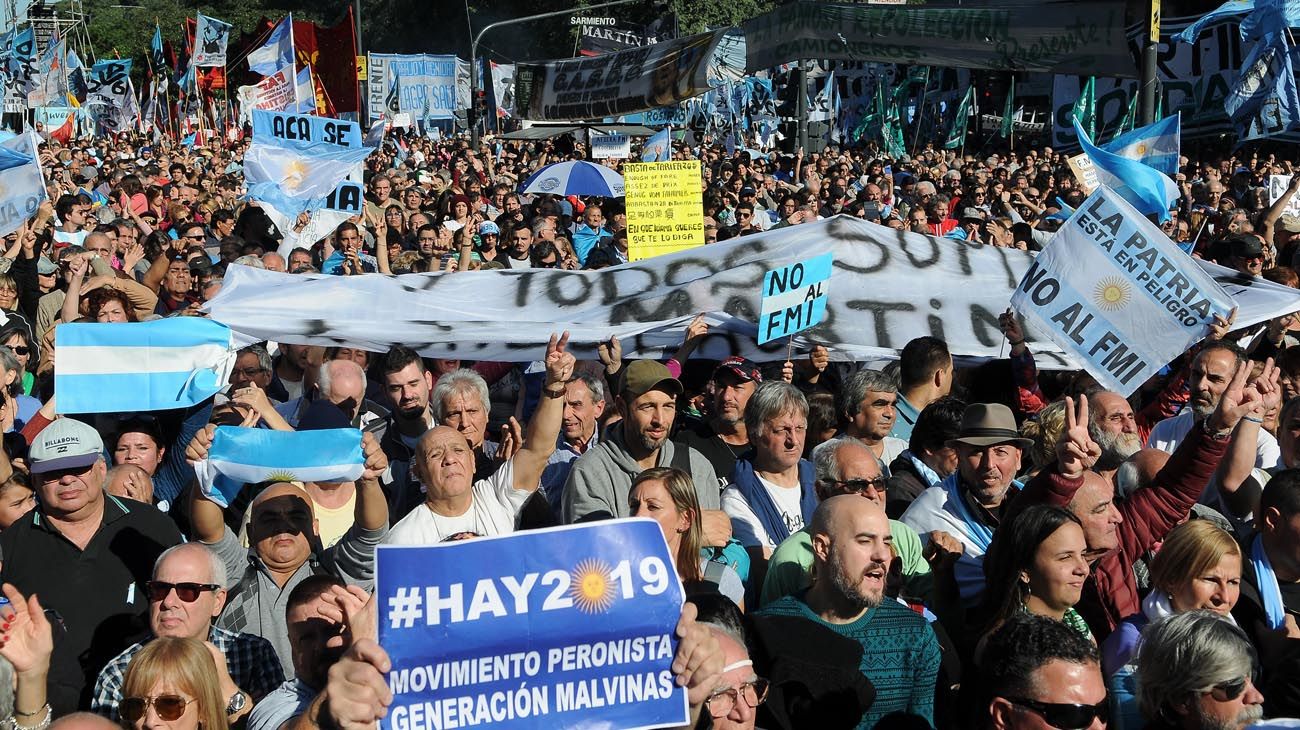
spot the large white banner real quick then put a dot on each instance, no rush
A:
(1116, 293)
(887, 287)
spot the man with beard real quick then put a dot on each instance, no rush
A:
(1197, 670)
(1211, 372)
(851, 556)
(722, 437)
(408, 384)
(1118, 535)
(1114, 428)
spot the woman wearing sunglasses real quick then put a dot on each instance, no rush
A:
(1035, 564)
(1198, 567)
(172, 683)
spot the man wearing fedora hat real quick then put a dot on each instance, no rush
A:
(969, 504)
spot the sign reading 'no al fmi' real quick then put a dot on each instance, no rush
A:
(794, 298)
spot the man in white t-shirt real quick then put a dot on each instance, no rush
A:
(772, 494)
(444, 463)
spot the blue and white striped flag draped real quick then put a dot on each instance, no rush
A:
(295, 160)
(658, 148)
(1156, 145)
(140, 366)
(240, 456)
(277, 52)
(1150, 191)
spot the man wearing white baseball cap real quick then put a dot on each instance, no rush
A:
(86, 554)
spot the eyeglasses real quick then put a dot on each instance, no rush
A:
(169, 707)
(548, 264)
(187, 592)
(19, 349)
(1230, 690)
(195, 236)
(1066, 716)
(860, 486)
(246, 372)
(722, 702)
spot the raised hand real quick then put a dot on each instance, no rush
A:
(559, 362)
(1220, 327)
(27, 639)
(1076, 452)
(1236, 401)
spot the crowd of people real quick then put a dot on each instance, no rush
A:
(914, 545)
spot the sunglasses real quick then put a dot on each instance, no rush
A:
(1228, 691)
(19, 349)
(860, 486)
(1066, 716)
(169, 707)
(187, 592)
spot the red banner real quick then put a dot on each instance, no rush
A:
(332, 55)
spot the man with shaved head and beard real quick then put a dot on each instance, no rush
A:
(851, 556)
(284, 546)
(1118, 534)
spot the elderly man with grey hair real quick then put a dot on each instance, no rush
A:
(1195, 671)
(343, 383)
(187, 592)
(460, 400)
(772, 494)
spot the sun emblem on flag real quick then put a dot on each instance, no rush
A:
(591, 587)
(1142, 148)
(1112, 293)
(295, 175)
(281, 476)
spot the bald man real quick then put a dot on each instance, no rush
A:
(284, 536)
(342, 382)
(851, 556)
(454, 503)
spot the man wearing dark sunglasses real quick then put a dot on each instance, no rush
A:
(187, 592)
(1041, 674)
(1196, 671)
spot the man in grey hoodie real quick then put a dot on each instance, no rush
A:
(600, 480)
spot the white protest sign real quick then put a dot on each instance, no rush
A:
(1084, 172)
(402, 120)
(604, 146)
(794, 298)
(886, 288)
(1115, 292)
(1277, 187)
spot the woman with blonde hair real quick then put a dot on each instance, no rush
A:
(1198, 568)
(667, 496)
(1044, 429)
(175, 681)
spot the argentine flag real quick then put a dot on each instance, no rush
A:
(1155, 145)
(1150, 191)
(140, 366)
(658, 148)
(278, 51)
(22, 186)
(240, 456)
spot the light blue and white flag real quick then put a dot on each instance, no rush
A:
(278, 51)
(22, 186)
(1150, 191)
(240, 456)
(658, 148)
(1263, 102)
(141, 366)
(210, 39)
(1156, 145)
(295, 159)
(305, 92)
(376, 134)
(1229, 9)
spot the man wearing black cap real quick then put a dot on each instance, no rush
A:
(86, 554)
(722, 437)
(601, 479)
(1246, 254)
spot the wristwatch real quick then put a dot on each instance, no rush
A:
(236, 702)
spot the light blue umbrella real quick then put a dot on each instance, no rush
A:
(575, 177)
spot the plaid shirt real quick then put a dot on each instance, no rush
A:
(251, 660)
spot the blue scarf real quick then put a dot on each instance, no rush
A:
(977, 531)
(1269, 592)
(745, 480)
(930, 476)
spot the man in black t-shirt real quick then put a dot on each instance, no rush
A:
(722, 436)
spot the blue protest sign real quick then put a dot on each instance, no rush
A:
(302, 131)
(794, 298)
(565, 627)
